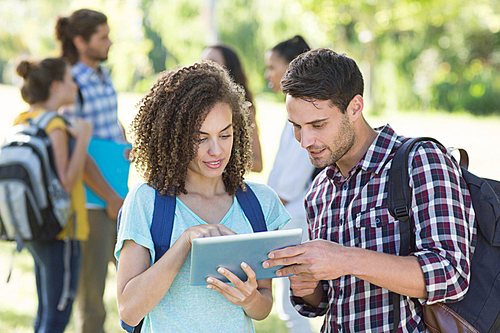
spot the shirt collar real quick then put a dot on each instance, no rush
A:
(375, 158)
(85, 72)
(382, 147)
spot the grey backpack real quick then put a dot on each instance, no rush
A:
(33, 203)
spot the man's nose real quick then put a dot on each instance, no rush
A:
(306, 138)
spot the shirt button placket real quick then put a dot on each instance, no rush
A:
(340, 293)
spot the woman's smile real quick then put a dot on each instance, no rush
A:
(214, 164)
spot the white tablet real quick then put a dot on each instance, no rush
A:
(210, 253)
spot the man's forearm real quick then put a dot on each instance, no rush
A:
(402, 275)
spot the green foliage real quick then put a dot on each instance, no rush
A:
(417, 54)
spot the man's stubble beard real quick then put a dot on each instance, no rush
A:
(346, 140)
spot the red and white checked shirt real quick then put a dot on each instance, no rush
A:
(353, 211)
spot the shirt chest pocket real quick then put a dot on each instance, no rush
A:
(376, 230)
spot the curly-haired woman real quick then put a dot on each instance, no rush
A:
(192, 140)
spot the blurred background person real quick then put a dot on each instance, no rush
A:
(225, 56)
(290, 176)
(85, 43)
(48, 85)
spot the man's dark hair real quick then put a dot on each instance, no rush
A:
(83, 22)
(323, 74)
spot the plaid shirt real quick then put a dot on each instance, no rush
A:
(353, 211)
(100, 103)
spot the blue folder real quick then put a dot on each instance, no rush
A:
(110, 158)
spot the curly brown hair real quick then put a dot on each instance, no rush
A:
(169, 119)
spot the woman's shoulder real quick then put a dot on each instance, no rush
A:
(140, 192)
(139, 202)
(141, 189)
(258, 186)
(262, 191)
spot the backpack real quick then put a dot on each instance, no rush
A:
(33, 203)
(163, 223)
(481, 305)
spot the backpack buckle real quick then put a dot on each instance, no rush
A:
(401, 212)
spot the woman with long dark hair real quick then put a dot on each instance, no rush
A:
(227, 57)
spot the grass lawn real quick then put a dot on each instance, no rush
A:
(478, 136)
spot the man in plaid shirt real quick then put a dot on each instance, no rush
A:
(350, 268)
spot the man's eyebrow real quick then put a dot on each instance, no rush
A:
(310, 122)
(222, 130)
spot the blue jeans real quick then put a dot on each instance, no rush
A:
(57, 267)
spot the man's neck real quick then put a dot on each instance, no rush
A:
(90, 62)
(366, 136)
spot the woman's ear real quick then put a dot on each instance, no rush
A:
(55, 86)
(355, 107)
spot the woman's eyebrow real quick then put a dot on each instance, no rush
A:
(225, 128)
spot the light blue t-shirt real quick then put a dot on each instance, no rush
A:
(188, 308)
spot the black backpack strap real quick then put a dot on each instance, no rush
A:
(399, 205)
(316, 172)
(80, 97)
(252, 209)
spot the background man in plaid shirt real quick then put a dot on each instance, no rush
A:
(350, 268)
(85, 43)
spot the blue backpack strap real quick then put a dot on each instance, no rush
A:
(163, 223)
(161, 232)
(252, 209)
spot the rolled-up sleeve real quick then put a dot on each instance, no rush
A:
(308, 310)
(444, 223)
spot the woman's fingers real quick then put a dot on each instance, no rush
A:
(241, 290)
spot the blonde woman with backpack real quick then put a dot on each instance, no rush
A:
(48, 85)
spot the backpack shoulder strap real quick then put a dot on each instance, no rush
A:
(44, 118)
(252, 208)
(163, 223)
(399, 205)
(399, 191)
(80, 97)
(161, 232)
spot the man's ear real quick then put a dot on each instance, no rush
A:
(79, 42)
(355, 107)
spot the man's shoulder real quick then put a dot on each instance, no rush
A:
(81, 73)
